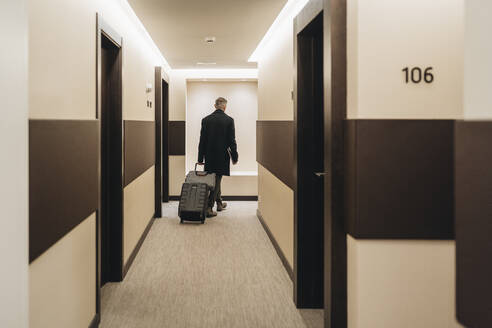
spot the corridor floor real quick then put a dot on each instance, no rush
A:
(224, 273)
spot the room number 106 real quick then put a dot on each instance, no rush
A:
(416, 75)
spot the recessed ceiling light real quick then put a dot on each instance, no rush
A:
(210, 39)
(206, 63)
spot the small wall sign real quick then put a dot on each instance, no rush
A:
(417, 75)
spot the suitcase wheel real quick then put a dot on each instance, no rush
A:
(181, 221)
(203, 221)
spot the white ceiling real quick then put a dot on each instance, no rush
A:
(179, 28)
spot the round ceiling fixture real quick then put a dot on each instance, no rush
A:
(210, 39)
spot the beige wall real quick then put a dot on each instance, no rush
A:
(13, 166)
(177, 95)
(276, 76)
(62, 74)
(62, 59)
(395, 283)
(242, 106)
(478, 63)
(63, 281)
(386, 36)
(62, 85)
(138, 210)
(276, 205)
(275, 86)
(404, 283)
(240, 185)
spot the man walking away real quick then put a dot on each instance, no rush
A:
(217, 147)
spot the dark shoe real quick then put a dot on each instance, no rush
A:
(221, 206)
(210, 213)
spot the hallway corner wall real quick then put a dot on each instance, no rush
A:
(275, 116)
(478, 66)
(402, 282)
(62, 87)
(179, 159)
(242, 106)
(14, 284)
(473, 177)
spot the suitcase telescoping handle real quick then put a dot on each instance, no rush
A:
(200, 173)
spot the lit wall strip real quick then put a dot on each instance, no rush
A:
(284, 18)
(134, 18)
(191, 74)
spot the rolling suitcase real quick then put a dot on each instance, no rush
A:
(201, 177)
(194, 196)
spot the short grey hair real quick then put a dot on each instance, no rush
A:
(220, 102)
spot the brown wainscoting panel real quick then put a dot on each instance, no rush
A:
(139, 148)
(275, 149)
(63, 179)
(400, 179)
(473, 201)
(177, 137)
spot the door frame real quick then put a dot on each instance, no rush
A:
(106, 31)
(335, 76)
(335, 111)
(161, 95)
(158, 143)
(165, 138)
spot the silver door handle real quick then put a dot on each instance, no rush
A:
(321, 174)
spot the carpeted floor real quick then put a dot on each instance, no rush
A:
(224, 273)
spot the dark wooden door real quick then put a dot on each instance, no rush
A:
(111, 162)
(310, 166)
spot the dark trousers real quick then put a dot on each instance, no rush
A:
(215, 195)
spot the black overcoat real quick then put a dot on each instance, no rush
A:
(217, 143)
